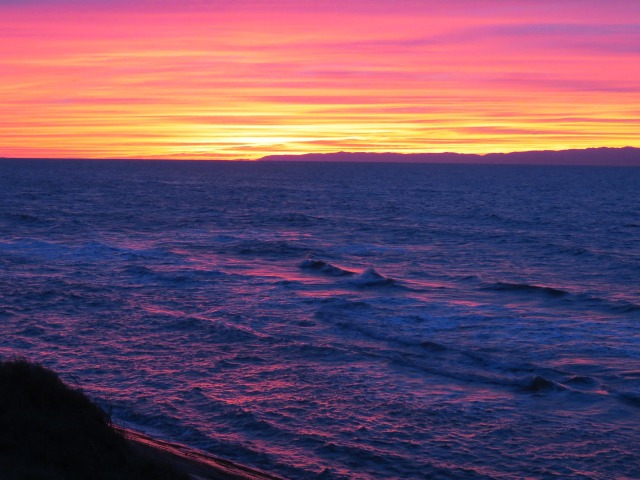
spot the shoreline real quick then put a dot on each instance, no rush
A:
(49, 430)
(197, 464)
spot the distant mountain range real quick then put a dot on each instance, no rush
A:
(626, 156)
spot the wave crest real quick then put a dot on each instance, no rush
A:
(325, 267)
(526, 288)
(371, 278)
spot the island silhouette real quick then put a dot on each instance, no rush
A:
(605, 156)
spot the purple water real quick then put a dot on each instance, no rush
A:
(337, 321)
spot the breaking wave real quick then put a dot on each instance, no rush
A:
(325, 268)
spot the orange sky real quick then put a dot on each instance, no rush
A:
(224, 79)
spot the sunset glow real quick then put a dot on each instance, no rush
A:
(243, 79)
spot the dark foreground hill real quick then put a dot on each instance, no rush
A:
(49, 431)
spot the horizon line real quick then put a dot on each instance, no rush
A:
(280, 157)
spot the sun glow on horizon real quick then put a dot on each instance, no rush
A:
(222, 80)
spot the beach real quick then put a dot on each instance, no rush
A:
(197, 464)
(50, 430)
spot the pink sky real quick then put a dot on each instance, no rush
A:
(228, 79)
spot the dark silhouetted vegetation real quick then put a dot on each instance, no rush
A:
(49, 431)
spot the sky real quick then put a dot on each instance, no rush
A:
(241, 79)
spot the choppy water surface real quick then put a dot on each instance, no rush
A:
(331, 321)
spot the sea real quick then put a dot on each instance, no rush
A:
(339, 320)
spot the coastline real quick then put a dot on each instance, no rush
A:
(197, 464)
(49, 430)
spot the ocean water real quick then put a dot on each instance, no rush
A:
(334, 321)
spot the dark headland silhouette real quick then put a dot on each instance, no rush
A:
(626, 156)
(52, 431)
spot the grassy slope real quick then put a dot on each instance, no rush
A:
(49, 431)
